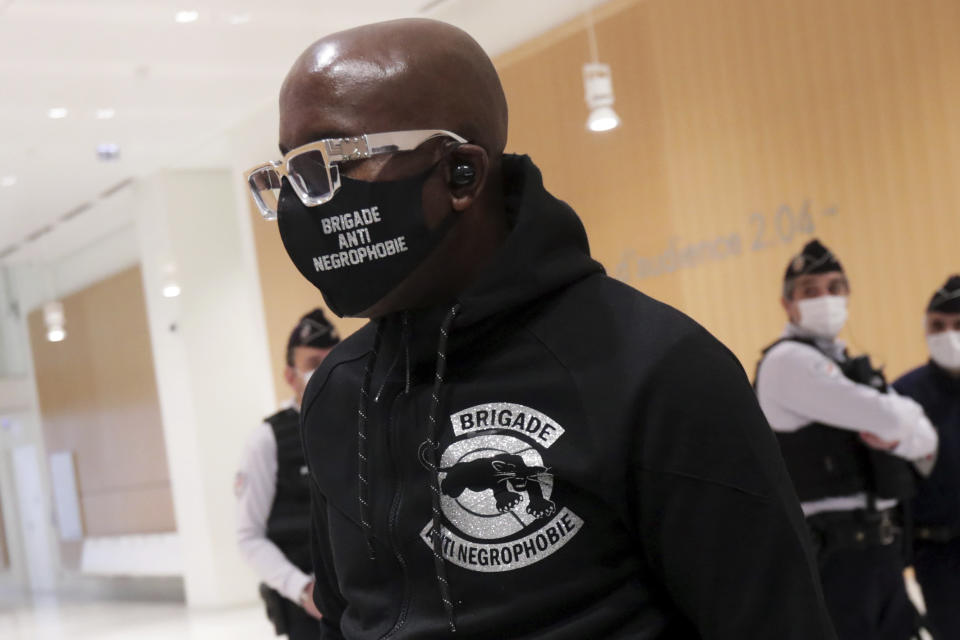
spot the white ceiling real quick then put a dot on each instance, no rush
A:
(172, 85)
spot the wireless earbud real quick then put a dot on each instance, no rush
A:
(463, 174)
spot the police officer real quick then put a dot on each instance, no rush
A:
(936, 386)
(273, 495)
(848, 442)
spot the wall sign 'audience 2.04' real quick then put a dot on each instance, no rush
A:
(765, 231)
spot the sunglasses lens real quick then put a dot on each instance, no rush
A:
(265, 186)
(309, 171)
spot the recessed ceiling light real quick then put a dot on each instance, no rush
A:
(184, 17)
(8, 181)
(57, 112)
(105, 113)
(239, 18)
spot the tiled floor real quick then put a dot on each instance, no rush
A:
(53, 620)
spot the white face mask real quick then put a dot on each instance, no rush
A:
(824, 316)
(305, 375)
(945, 349)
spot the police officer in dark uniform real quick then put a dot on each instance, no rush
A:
(273, 494)
(848, 441)
(936, 386)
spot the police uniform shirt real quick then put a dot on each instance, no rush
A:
(798, 385)
(255, 489)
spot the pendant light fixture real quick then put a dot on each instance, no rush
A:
(55, 321)
(598, 86)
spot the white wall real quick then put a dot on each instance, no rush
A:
(13, 353)
(27, 508)
(17, 427)
(211, 362)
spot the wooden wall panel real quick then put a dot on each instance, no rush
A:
(98, 398)
(737, 114)
(840, 115)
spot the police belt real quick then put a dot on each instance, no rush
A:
(856, 529)
(936, 533)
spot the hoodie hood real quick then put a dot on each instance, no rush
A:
(546, 250)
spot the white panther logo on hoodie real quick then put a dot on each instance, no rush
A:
(496, 490)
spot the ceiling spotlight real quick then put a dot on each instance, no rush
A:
(8, 181)
(54, 319)
(602, 119)
(183, 17)
(171, 290)
(105, 113)
(57, 113)
(598, 92)
(239, 18)
(108, 151)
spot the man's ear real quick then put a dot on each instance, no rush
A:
(290, 375)
(788, 307)
(466, 171)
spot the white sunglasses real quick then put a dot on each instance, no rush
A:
(312, 168)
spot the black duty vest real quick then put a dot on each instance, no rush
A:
(826, 461)
(288, 525)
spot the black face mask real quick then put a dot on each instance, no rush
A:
(361, 244)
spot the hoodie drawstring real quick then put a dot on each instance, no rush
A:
(362, 464)
(433, 460)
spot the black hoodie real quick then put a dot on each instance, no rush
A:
(600, 464)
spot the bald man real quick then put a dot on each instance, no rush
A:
(517, 446)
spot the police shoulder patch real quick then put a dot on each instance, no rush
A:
(826, 368)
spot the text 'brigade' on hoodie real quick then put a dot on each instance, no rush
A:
(601, 467)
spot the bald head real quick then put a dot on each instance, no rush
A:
(391, 76)
(406, 75)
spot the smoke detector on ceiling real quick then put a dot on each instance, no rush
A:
(108, 152)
